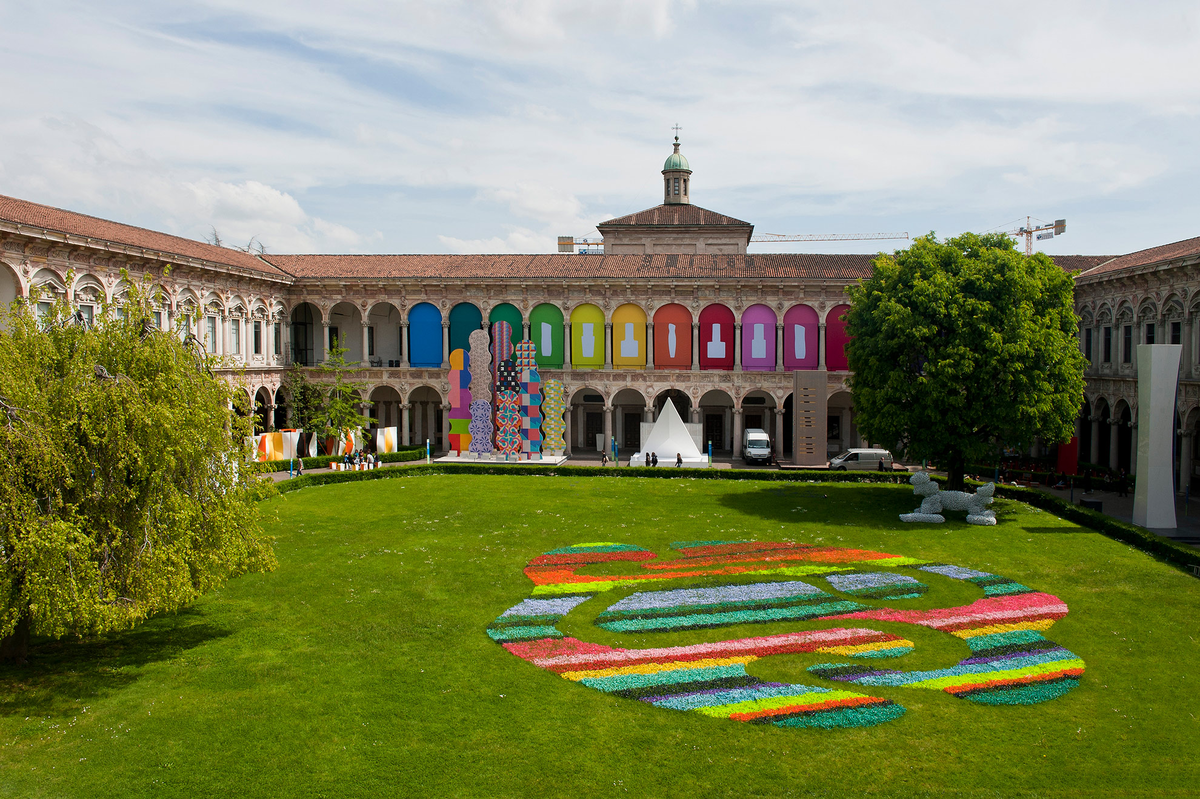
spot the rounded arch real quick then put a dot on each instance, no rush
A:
(507, 312)
(384, 323)
(587, 337)
(589, 395)
(48, 285)
(716, 337)
(840, 431)
(673, 337)
(425, 336)
(629, 336)
(10, 285)
(345, 330)
(758, 338)
(801, 337)
(716, 419)
(385, 406)
(836, 339)
(305, 322)
(88, 288)
(546, 330)
(681, 400)
(262, 410)
(465, 319)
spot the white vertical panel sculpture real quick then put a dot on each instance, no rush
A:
(1154, 494)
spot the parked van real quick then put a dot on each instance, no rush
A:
(756, 445)
(862, 460)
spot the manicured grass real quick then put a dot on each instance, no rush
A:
(361, 667)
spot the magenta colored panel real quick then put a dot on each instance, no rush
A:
(716, 338)
(758, 339)
(800, 338)
(835, 340)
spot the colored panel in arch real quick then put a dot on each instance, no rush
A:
(673, 337)
(716, 338)
(460, 401)
(508, 422)
(425, 336)
(629, 337)
(481, 371)
(504, 312)
(800, 338)
(554, 407)
(531, 400)
(836, 339)
(465, 319)
(758, 339)
(546, 330)
(587, 337)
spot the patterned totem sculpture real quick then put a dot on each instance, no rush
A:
(508, 408)
(531, 400)
(554, 407)
(480, 427)
(460, 401)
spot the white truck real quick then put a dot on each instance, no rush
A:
(756, 445)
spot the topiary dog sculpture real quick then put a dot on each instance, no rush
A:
(934, 501)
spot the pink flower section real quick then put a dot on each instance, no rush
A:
(981, 612)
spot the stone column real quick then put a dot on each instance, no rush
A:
(1185, 459)
(364, 361)
(1186, 339)
(526, 331)
(608, 424)
(324, 348)
(820, 345)
(608, 349)
(270, 417)
(1094, 454)
(695, 346)
(404, 344)
(648, 413)
(1133, 436)
(649, 345)
(619, 424)
(446, 345)
(581, 428)
(737, 346)
(567, 345)
(779, 347)
(778, 437)
(737, 432)
(1112, 443)
(1137, 339)
(446, 426)
(431, 424)
(694, 415)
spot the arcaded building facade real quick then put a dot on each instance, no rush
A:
(674, 308)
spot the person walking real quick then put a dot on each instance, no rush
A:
(678, 459)
(604, 458)
(654, 459)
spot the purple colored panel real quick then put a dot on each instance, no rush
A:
(800, 335)
(758, 339)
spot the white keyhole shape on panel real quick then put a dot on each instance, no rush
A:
(547, 347)
(587, 341)
(801, 344)
(716, 347)
(758, 344)
(671, 340)
(629, 344)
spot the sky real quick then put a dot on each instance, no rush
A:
(444, 127)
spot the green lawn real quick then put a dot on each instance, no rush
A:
(362, 666)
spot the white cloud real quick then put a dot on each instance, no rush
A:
(520, 240)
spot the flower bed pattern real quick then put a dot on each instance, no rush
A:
(1010, 663)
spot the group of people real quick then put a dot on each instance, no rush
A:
(358, 458)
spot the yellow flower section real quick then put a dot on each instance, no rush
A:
(771, 703)
(943, 683)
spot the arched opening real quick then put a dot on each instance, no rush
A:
(425, 417)
(758, 339)
(629, 337)
(629, 412)
(1124, 432)
(1085, 430)
(345, 331)
(263, 419)
(546, 330)
(385, 407)
(425, 336)
(836, 339)
(683, 403)
(801, 335)
(758, 412)
(384, 322)
(10, 289)
(1104, 445)
(787, 432)
(507, 312)
(841, 432)
(716, 338)
(716, 414)
(587, 337)
(465, 319)
(88, 297)
(305, 319)
(586, 420)
(283, 403)
(673, 337)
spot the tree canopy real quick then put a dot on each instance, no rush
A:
(963, 346)
(126, 488)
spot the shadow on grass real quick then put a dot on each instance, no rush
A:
(808, 503)
(60, 674)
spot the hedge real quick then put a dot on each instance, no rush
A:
(403, 455)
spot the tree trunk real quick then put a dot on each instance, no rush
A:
(955, 467)
(15, 647)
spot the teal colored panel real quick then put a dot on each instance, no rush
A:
(464, 319)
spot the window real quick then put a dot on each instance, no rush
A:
(235, 336)
(1127, 344)
(158, 319)
(210, 334)
(1149, 332)
(676, 186)
(1087, 344)
(43, 310)
(1176, 332)
(278, 338)
(87, 312)
(370, 341)
(685, 180)
(257, 337)
(1108, 345)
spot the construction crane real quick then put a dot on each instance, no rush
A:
(1042, 231)
(567, 244)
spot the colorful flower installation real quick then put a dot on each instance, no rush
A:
(1011, 662)
(554, 406)
(460, 400)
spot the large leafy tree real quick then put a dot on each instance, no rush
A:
(125, 486)
(340, 409)
(963, 346)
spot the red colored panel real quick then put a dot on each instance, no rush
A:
(681, 318)
(716, 338)
(836, 339)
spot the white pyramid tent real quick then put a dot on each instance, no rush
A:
(670, 437)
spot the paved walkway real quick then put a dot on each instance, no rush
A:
(1187, 513)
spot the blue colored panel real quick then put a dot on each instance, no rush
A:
(425, 336)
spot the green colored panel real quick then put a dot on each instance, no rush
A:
(546, 329)
(504, 312)
(587, 337)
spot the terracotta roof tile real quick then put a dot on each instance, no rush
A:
(597, 267)
(23, 212)
(1079, 263)
(1166, 252)
(679, 214)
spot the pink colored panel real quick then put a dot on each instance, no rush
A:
(800, 338)
(835, 340)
